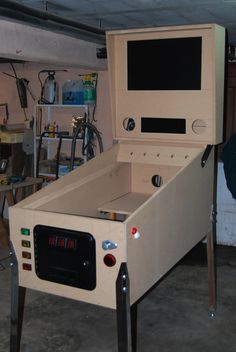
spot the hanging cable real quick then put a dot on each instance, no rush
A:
(81, 127)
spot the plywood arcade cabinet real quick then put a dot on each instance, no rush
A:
(107, 232)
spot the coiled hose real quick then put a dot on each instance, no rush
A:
(91, 128)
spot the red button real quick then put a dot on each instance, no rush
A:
(109, 260)
(27, 266)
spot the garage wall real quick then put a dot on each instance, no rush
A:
(8, 93)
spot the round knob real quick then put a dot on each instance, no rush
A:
(157, 180)
(109, 260)
(129, 124)
(199, 126)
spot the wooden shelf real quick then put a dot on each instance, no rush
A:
(61, 106)
(56, 138)
(45, 114)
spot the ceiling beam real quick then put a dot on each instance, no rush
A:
(23, 42)
(43, 19)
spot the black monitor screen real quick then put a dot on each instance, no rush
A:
(165, 64)
(163, 125)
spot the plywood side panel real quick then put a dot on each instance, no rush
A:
(111, 50)
(71, 181)
(170, 223)
(220, 84)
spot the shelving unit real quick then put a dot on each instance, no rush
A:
(46, 114)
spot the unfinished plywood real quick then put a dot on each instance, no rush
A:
(201, 108)
(163, 215)
(110, 184)
(149, 197)
(170, 224)
(125, 204)
(104, 293)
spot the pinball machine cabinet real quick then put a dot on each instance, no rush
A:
(143, 204)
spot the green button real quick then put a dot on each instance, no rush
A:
(25, 232)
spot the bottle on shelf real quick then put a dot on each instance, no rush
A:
(51, 129)
(55, 127)
(89, 90)
(73, 92)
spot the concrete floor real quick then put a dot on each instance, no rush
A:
(173, 317)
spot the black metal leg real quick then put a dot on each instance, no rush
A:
(124, 329)
(211, 268)
(211, 241)
(17, 305)
(22, 292)
(134, 315)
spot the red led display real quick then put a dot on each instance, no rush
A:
(71, 244)
(62, 242)
(52, 241)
